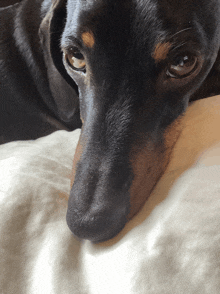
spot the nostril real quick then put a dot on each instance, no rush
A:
(97, 226)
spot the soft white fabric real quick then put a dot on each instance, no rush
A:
(175, 250)
(37, 251)
(170, 247)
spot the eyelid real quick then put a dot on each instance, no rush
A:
(183, 48)
(69, 49)
(71, 41)
(178, 46)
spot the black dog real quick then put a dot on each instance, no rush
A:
(35, 98)
(131, 67)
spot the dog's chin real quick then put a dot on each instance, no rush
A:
(97, 226)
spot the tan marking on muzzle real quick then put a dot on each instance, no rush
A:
(76, 159)
(142, 197)
(149, 164)
(161, 51)
(88, 39)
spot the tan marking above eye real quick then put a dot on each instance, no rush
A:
(161, 50)
(88, 39)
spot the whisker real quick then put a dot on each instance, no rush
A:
(178, 46)
(183, 30)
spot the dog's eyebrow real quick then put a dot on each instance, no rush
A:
(88, 39)
(70, 41)
(161, 50)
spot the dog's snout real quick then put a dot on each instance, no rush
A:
(98, 224)
(99, 201)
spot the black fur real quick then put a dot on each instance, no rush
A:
(31, 102)
(126, 99)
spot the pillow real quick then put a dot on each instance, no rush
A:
(171, 246)
(37, 251)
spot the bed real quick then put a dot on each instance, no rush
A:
(171, 246)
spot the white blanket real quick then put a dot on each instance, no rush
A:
(171, 247)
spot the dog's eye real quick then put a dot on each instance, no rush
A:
(182, 67)
(75, 59)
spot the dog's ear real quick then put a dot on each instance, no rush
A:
(63, 88)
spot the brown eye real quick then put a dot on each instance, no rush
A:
(75, 59)
(182, 67)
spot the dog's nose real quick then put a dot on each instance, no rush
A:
(97, 224)
(99, 202)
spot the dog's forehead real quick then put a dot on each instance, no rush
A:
(141, 27)
(117, 14)
(146, 12)
(148, 20)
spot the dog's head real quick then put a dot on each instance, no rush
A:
(136, 64)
